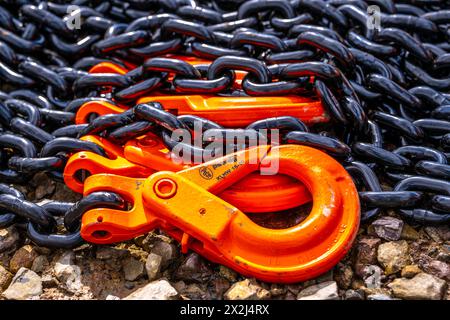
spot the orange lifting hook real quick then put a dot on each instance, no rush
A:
(226, 111)
(146, 155)
(220, 231)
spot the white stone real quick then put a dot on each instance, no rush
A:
(156, 290)
(323, 291)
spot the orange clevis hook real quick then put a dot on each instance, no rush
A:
(146, 155)
(224, 234)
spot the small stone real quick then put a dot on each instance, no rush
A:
(294, 288)
(156, 290)
(39, 264)
(106, 253)
(433, 233)
(111, 297)
(193, 292)
(48, 281)
(443, 232)
(5, 278)
(366, 252)
(67, 272)
(167, 251)
(153, 266)
(388, 228)
(132, 268)
(246, 290)
(393, 256)
(193, 268)
(322, 291)
(63, 193)
(443, 254)
(277, 289)
(179, 286)
(409, 233)
(23, 257)
(129, 285)
(343, 276)
(379, 296)
(354, 295)
(9, 239)
(220, 287)
(26, 284)
(410, 271)
(435, 267)
(227, 273)
(44, 189)
(422, 286)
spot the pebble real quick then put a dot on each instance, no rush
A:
(220, 287)
(227, 273)
(366, 253)
(193, 292)
(9, 239)
(167, 251)
(246, 290)
(23, 257)
(438, 233)
(393, 256)
(354, 295)
(26, 284)
(410, 271)
(111, 297)
(323, 291)
(409, 233)
(132, 268)
(193, 268)
(39, 264)
(106, 253)
(67, 272)
(156, 290)
(422, 286)
(343, 275)
(153, 266)
(435, 267)
(44, 186)
(379, 296)
(5, 278)
(64, 193)
(48, 281)
(388, 228)
(277, 289)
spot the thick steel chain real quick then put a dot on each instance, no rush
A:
(386, 89)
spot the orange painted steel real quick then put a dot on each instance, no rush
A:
(93, 163)
(184, 204)
(226, 111)
(145, 155)
(254, 193)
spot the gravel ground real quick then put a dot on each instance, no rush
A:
(390, 259)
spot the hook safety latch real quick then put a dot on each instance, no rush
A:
(224, 234)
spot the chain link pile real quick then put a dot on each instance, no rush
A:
(386, 91)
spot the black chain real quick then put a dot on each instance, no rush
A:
(386, 91)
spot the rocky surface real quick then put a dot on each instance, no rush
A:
(390, 259)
